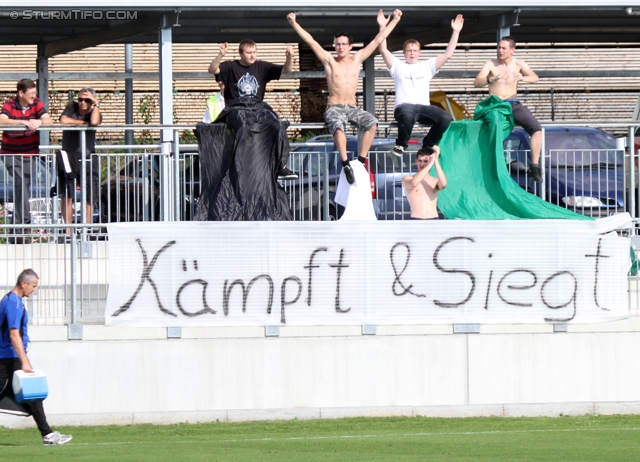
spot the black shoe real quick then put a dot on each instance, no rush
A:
(287, 174)
(398, 150)
(348, 173)
(536, 173)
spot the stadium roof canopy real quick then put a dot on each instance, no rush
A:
(64, 26)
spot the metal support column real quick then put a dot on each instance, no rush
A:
(502, 31)
(506, 22)
(128, 94)
(369, 86)
(42, 67)
(166, 117)
(631, 187)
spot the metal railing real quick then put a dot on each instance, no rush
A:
(73, 270)
(150, 183)
(161, 181)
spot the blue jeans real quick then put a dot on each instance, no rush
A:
(408, 114)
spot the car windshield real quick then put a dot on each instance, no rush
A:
(581, 149)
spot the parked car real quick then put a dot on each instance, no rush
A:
(584, 171)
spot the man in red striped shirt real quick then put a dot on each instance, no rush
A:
(18, 147)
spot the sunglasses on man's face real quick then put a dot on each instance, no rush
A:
(85, 100)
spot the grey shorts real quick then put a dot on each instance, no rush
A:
(338, 116)
(522, 116)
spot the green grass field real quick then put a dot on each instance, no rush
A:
(586, 438)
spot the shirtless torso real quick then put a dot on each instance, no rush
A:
(342, 79)
(343, 71)
(504, 78)
(423, 199)
(422, 189)
(503, 73)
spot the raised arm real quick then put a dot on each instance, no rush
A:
(411, 181)
(367, 51)
(323, 55)
(456, 25)
(288, 63)
(442, 179)
(384, 51)
(214, 67)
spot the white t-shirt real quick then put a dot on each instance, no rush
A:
(412, 81)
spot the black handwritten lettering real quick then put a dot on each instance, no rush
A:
(598, 256)
(339, 267)
(245, 292)
(146, 271)
(310, 267)
(397, 281)
(226, 293)
(206, 309)
(283, 293)
(444, 270)
(486, 300)
(573, 297)
(535, 280)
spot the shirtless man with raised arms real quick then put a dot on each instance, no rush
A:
(502, 76)
(422, 189)
(343, 73)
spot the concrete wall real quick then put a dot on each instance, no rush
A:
(125, 375)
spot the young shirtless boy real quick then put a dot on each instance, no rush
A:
(343, 73)
(502, 76)
(422, 189)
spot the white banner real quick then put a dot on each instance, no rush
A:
(328, 273)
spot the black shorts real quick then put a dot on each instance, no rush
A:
(67, 187)
(523, 117)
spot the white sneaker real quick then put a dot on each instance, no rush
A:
(56, 438)
(398, 150)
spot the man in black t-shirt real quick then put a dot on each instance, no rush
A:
(247, 77)
(86, 111)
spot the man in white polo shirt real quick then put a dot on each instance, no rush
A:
(411, 80)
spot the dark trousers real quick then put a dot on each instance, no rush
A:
(19, 169)
(408, 114)
(7, 367)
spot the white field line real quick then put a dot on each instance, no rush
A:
(388, 435)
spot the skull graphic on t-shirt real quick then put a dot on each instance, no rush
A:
(247, 85)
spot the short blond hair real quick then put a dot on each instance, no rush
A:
(410, 42)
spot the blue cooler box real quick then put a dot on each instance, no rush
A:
(30, 386)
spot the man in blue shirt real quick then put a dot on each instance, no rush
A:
(14, 340)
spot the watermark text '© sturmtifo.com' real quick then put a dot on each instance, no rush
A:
(74, 14)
